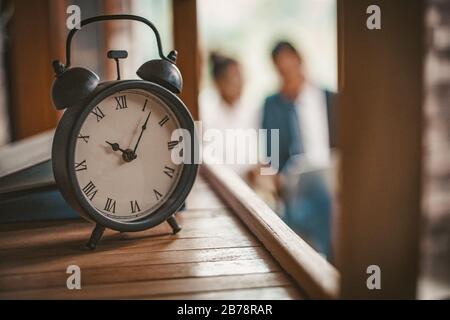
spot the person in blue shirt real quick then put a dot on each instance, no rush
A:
(304, 116)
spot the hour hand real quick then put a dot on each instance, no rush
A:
(127, 155)
(115, 147)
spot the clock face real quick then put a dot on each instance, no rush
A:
(122, 159)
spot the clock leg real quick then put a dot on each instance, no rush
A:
(174, 225)
(96, 235)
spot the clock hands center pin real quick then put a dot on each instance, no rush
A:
(127, 155)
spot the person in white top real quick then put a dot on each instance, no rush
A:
(225, 112)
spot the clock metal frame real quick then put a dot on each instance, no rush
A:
(63, 158)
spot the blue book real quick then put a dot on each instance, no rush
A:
(27, 187)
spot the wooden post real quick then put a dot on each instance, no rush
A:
(35, 29)
(186, 43)
(380, 123)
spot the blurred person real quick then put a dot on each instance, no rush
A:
(303, 113)
(223, 107)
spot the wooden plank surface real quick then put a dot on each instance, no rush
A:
(214, 257)
(318, 278)
(251, 286)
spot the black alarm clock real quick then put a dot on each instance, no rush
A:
(113, 149)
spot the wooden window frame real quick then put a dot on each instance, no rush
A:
(314, 275)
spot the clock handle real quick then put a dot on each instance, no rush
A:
(109, 18)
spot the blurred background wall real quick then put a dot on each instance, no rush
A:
(435, 281)
(249, 33)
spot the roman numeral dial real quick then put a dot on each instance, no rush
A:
(90, 190)
(110, 205)
(123, 151)
(82, 166)
(164, 121)
(98, 113)
(84, 138)
(172, 144)
(168, 171)
(145, 105)
(135, 207)
(121, 102)
(158, 194)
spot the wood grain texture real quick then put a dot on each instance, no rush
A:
(272, 293)
(31, 74)
(210, 227)
(133, 259)
(127, 273)
(273, 285)
(186, 43)
(318, 278)
(380, 139)
(214, 257)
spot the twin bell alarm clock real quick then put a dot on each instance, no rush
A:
(113, 149)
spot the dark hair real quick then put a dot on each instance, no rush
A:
(285, 45)
(219, 64)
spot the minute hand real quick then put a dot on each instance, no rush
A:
(144, 127)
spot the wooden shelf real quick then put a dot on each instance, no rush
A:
(318, 278)
(214, 256)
